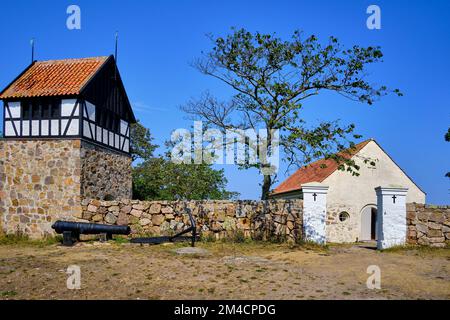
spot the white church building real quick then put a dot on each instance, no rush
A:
(351, 200)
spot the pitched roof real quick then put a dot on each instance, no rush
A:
(53, 78)
(315, 171)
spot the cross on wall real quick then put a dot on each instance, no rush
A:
(393, 198)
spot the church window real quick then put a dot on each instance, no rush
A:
(343, 216)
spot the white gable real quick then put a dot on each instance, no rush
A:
(344, 186)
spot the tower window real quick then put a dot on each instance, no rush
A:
(55, 110)
(45, 111)
(35, 111)
(41, 109)
(26, 110)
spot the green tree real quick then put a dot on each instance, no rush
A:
(141, 146)
(161, 179)
(157, 178)
(272, 78)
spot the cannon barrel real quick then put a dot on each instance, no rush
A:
(89, 228)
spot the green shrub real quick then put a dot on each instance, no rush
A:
(236, 236)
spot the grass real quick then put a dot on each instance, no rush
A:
(7, 294)
(20, 239)
(120, 240)
(418, 250)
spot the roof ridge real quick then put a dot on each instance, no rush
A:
(71, 59)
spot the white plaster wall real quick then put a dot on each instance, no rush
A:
(123, 127)
(25, 128)
(9, 129)
(55, 128)
(14, 108)
(34, 127)
(86, 129)
(99, 133)
(44, 127)
(353, 193)
(391, 220)
(314, 213)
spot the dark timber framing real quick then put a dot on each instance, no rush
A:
(93, 129)
(104, 90)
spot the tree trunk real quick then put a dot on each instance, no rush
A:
(267, 183)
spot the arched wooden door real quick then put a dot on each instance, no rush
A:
(368, 223)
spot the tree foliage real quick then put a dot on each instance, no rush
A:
(157, 178)
(141, 146)
(272, 79)
(161, 179)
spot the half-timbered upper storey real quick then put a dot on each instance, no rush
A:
(70, 98)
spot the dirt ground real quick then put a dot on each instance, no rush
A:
(226, 271)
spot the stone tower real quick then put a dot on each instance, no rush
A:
(66, 138)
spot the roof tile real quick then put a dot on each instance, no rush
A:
(53, 78)
(316, 171)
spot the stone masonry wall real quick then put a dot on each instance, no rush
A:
(272, 219)
(428, 224)
(342, 231)
(39, 183)
(42, 181)
(105, 174)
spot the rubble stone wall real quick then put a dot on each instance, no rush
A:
(44, 180)
(39, 183)
(428, 225)
(264, 220)
(105, 174)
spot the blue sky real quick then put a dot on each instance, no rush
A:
(158, 39)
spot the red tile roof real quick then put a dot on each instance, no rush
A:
(53, 78)
(315, 172)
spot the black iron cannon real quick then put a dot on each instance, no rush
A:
(71, 230)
